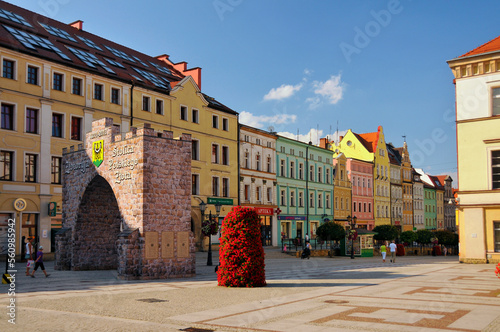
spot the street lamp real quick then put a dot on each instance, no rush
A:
(352, 222)
(217, 210)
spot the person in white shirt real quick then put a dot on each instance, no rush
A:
(393, 251)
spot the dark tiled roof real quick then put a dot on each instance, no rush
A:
(212, 103)
(40, 36)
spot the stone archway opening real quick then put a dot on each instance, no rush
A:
(97, 228)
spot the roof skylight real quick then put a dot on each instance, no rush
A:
(90, 43)
(154, 79)
(14, 17)
(90, 59)
(164, 70)
(114, 63)
(31, 41)
(58, 32)
(120, 54)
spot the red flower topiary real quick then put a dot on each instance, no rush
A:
(241, 255)
(497, 271)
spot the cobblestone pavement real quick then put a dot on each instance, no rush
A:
(320, 294)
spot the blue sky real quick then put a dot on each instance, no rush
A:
(304, 66)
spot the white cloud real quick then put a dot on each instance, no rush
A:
(260, 121)
(331, 90)
(312, 136)
(282, 92)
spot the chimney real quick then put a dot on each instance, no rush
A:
(77, 25)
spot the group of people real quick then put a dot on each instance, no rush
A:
(392, 248)
(34, 258)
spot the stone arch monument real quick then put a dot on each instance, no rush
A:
(127, 204)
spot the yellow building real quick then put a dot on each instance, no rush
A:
(342, 190)
(477, 83)
(57, 78)
(406, 176)
(371, 147)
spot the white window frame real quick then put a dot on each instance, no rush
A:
(225, 124)
(82, 85)
(197, 187)
(195, 119)
(82, 129)
(39, 74)
(63, 83)
(162, 103)
(39, 111)
(183, 109)
(215, 120)
(14, 69)
(120, 93)
(148, 98)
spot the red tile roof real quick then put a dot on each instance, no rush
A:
(369, 140)
(491, 46)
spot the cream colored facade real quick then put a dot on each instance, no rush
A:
(342, 193)
(477, 78)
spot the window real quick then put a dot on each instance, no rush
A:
(495, 169)
(57, 125)
(327, 201)
(354, 207)
(320, 174)
(247, 160)
(31, 121)
(283, 198)
(258, 193)
(215, 121)
(184, 115)
(195, 184)
(320, 200)
(292, 169)
(269, 194)
(215, 186)
(269, 167)
(194, 116)
(30, 167)
(8, 69)
(301, 171)
(195, 150)
(496, 101)
(146, 103)
(57, 82)
(225, 187)
(77, 86)
(292, 198)
(225, 124)
(311, 199)
(336, 203)
(225, 155)
(159, 106)
(257, 162)
(257, 141)
(32, 75)
(301, 199)
(311, 173)
(282, 167)
(497, 236)
(247, 193)
(359, 207)
(56, 170)
(76, 129)
(6, 167)
(215, 154)
(327, 176)
(98, 92)
(115, 96)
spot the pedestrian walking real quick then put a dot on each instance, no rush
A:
(29, 255)
(445, 251)
(393, 251)
(39, 263)
(383, 251)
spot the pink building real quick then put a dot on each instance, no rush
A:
(361, 176)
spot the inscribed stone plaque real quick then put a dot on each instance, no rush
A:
(151, 239)
(183, 244)
(167, 245)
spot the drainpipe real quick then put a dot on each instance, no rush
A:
(132, 104)
(307, 188)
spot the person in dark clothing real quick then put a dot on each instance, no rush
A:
(39, 263)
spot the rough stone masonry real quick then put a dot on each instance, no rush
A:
(127, 204)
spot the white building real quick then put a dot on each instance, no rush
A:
(258, 178)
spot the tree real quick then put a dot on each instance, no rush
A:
(424, 236)
(330, 231)
(408, 237)
(446, 238)
(385, 233)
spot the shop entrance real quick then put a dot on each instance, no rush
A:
(266, 230)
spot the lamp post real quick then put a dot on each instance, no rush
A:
(352, 222)
(217, 211)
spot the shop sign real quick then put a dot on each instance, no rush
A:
(291, 218)
(264, 211)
